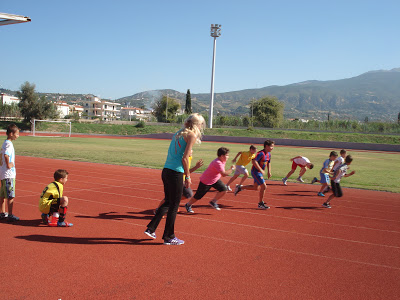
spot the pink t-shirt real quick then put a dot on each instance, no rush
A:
(213, 172)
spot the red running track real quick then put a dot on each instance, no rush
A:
(295, 250)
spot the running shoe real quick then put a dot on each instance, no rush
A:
(262, 205)
(238, 188)
(228, 188)
(326, 205)
(12, 218)
(299, 179)
(3, 216)
(150, 234)
(189, 208)
(315, 179)
(174, 241)
(214, 205)
(284, 180)
(321, 195)
(45, 219)
(64, 224)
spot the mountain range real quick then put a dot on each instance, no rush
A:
(375, 94)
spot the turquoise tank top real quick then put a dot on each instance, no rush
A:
(175, 153)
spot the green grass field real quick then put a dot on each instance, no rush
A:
(375, 171)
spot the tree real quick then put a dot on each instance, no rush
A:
(160, 109)
(398, 118)
(268, 111)
(33, 107)
(188, 105)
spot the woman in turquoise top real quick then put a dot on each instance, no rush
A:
(176, 165)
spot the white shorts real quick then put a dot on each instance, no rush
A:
(241, 170)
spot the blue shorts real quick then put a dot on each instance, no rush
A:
(324, 178)
(258, 177)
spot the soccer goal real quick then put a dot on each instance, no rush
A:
(51, 128)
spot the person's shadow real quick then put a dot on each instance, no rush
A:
(299, 207)
(112, 215)
(85, 240)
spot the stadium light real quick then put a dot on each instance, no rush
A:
(215, 32)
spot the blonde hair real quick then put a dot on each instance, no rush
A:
(194, 123)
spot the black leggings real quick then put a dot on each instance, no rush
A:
(173, 186)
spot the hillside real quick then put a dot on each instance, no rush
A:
(374, 94)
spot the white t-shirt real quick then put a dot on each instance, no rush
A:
(341, 172)
(341, 162)
(302, 161)
(7, 148)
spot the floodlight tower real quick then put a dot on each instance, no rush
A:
(215, 32)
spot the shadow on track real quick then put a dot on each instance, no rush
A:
(85, 241)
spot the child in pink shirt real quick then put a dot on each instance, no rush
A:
(211, 178)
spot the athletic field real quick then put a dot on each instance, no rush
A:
(295, 250)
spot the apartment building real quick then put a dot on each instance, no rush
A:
(94, 107)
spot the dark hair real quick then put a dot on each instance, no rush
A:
(343, 151)
(268, 143)
(253, 147)
(12, 128)
(348, 159)
(333, 153)
(60, 173)
(222, 151)
(311, 166)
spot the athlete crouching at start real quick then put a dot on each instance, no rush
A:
(53, 203)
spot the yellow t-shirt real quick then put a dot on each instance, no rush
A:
(245, 158)
(190, 162)
(50, 194)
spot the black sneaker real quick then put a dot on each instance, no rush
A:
(315, 179)
(326, 205)
(262, 205)
(12, 218)
(215, 205)
(45, 219)
(189, 208)
(150, 234)
(238, 188)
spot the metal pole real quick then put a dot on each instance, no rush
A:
(166, 110)
(212, 85)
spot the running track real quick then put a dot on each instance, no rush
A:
(295, 250)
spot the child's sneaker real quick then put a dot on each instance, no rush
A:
(214, 205)
(45, 219)
(284, 180)
(315, 179)
(12, 218)
(238, 188)
(326, 205)
(64, 224)
(228, 188)
(262, 205)
(321, 195)
(150, 234)
(189, 208)
(3, 216)
(299, 179)
(174, 241)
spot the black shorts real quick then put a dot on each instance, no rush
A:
(203, 189)
(55, 206)
(336, 189)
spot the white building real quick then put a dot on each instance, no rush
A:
(133, 113)
(76, 109)
(104, 110)
(6, 99)
(63, 108)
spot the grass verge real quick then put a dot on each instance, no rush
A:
(372, 168)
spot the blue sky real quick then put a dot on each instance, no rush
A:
(118, 48)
